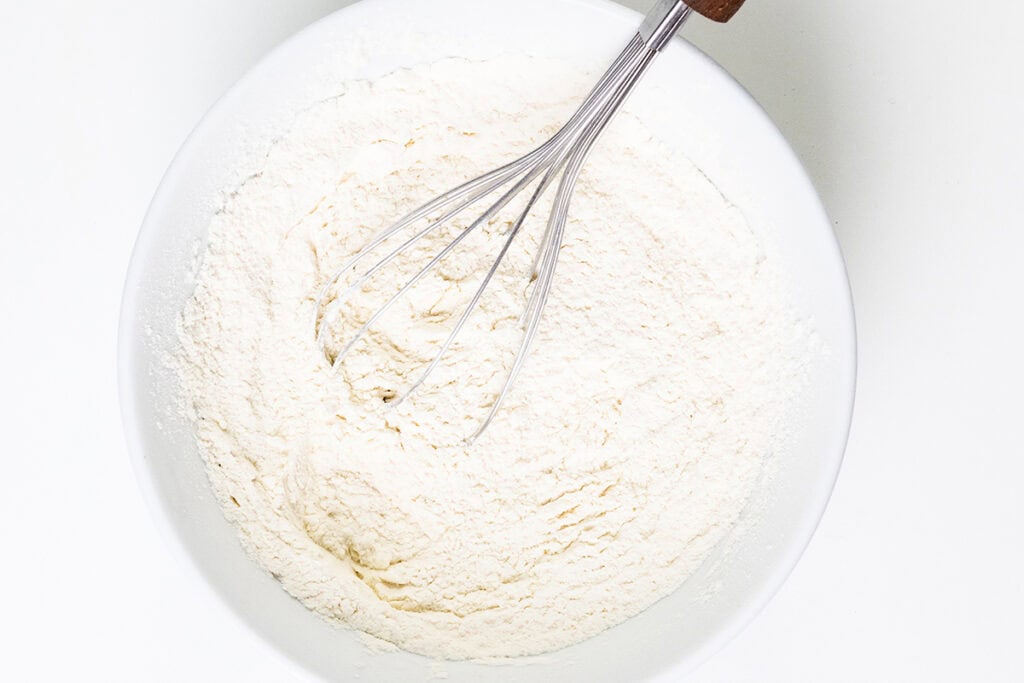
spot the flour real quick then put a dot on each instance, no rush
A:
(627, 449)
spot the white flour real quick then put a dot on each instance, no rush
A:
(628, 447)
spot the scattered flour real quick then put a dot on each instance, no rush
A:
(638, 430)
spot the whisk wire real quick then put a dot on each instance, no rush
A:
(556, 229)
(436, 360)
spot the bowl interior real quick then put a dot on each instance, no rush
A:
(687, 100)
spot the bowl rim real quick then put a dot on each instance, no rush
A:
(128, 365)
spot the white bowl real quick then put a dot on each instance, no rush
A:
(688, 100)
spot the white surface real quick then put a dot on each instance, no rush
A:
(723, 132)
(904, 115)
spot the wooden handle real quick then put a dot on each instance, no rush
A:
(717, 10)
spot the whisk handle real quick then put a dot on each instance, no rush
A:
(718, 10)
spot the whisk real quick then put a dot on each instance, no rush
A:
(560, 158)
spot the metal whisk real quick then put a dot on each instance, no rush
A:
(561, 157)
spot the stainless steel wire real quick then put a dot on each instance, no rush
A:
(561, 158)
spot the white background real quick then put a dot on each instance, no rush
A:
(908, 116)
